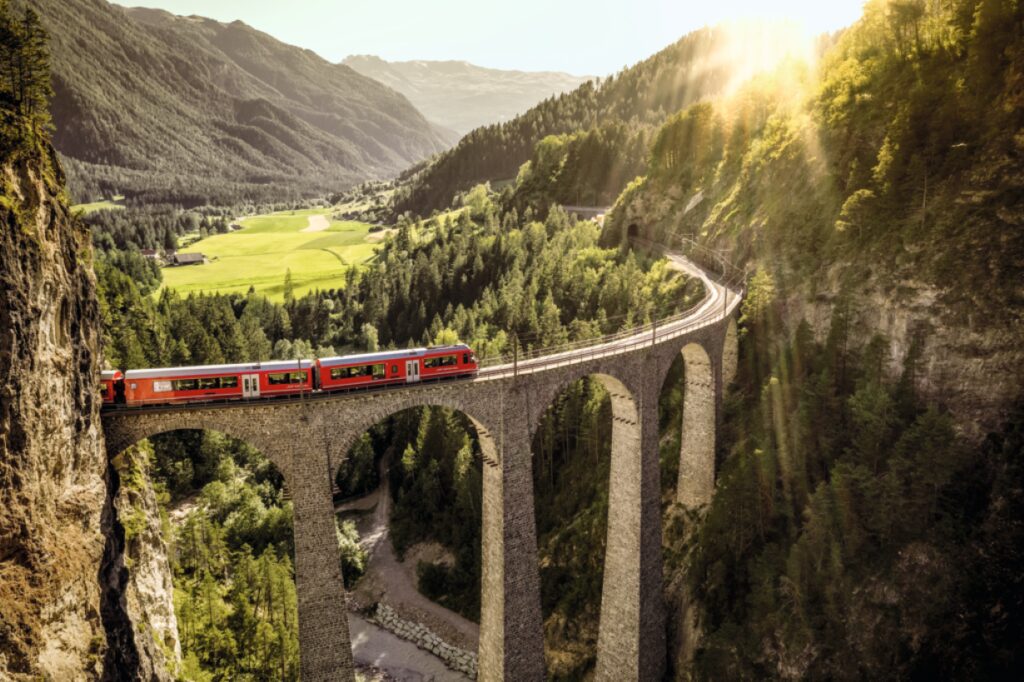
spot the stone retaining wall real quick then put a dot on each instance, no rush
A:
(457, 659)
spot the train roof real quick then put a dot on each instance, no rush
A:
(110, 375)
(164, 372)
(385, 356)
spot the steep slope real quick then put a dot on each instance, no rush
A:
(890, 178)
(869, 508)
(700, 65)
(52, 462)
(463, 96)
(151, 104)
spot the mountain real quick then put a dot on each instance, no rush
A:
(462, 96)
(153, 105)
(702, 64)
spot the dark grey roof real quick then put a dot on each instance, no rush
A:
(164, 372)
(385, 356)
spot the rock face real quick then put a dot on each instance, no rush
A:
(81, 597)
(52, 460)
(965, 362)
(148, 591)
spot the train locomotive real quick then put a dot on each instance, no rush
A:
(211, 383)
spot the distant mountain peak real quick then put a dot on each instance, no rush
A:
(460, 95)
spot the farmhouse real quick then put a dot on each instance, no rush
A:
(189, 259)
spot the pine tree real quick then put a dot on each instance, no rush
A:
(37, 87)
(25, 88)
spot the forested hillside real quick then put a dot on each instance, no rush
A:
(891, 170)
(462, 96)
(192, 111)
(869, 507)
(700, 65)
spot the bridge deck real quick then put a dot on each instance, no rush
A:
(719, 302)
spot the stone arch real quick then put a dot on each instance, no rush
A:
(697, 444)
(119, 436)
(492, 649)
(619, 628)
(279, 432)
(358, 416)
(632, 232)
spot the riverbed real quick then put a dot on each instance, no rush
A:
(401, 660)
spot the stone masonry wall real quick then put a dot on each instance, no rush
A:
(307, 439)
(455, 658)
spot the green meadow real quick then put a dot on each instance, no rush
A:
(114, 204)
(267, 247)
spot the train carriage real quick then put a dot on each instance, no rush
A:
(396, 367)
(171, 385)
(109, 381)
(208, 383)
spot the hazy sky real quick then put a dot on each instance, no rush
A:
(585, 37)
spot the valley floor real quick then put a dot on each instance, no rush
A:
(393, 582)
(394, 657)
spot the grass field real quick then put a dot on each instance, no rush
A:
(268, 246)
(114, 204)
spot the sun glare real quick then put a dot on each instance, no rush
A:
(754, 47)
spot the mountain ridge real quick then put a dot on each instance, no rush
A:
(460, 95)
(162, 107)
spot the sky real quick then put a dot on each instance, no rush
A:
(583, 37)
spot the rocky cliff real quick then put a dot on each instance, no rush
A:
(81, 595)
(52, 461)
(967, 361)
(147, 590)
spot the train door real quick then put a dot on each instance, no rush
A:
(412, 371)
(250, 385)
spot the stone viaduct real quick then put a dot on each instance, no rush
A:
(307, 439)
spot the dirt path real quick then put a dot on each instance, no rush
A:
(391, 581)
(317, 223)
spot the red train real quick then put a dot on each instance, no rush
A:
(175, 385)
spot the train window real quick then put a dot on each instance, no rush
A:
(229, 382)
(286, 378)
(465, 358)
(185, 384)
(394, 369)
(375, 371)
(443, 361)
(206, 384)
